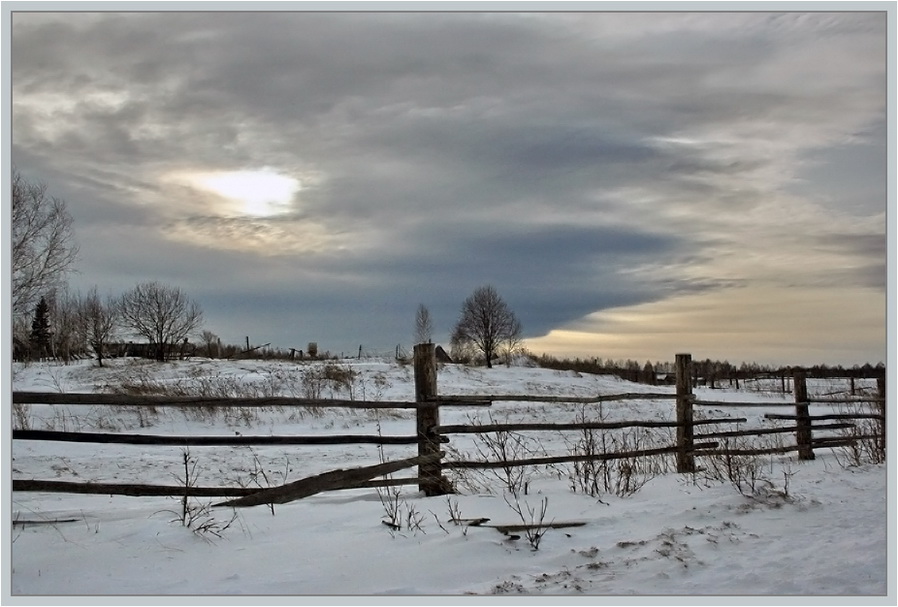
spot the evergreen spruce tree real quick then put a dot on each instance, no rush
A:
(40, 330)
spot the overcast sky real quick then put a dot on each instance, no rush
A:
(634, 185)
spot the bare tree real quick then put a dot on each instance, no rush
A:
(161, 313)
(68, 331)
(211, 343)
(486, 322)
(463, 352)
(513, 346)
(98, 321)
(43, 248)
(423, 325)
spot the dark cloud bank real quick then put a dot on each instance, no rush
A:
(550, 155)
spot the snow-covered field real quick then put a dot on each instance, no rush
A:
(818, 528)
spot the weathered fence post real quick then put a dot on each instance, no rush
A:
(881, 392)
(685, 456)
(428, 417)
(803, 419)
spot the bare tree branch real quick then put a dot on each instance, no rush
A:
(43, 248)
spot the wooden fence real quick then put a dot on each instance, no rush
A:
(431, 436)
(688, 445)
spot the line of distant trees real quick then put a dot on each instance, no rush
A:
(705, 372)
(67, 325)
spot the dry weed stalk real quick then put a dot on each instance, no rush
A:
(506, 447)
(534, 522)
(194, 515)
(602, 472)
(750, 474)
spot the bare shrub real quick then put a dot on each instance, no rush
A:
(339, 378)
(194, 515)
(391, 500)
(311, 383)
(505, 447)
(604, 471)
(867, 438)
(380, 385)
(22, 416)
(454, 510)
(399, 513)
(745, 473)
(317, 378)
(413, 519)
(390, 497)
(470, 480)
(750, 474)
(533, 520)
(56, 378)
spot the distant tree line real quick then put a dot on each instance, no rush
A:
(705, 372)
(67, 325)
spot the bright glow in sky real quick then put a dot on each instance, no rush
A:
(260, 193)
(784, 327)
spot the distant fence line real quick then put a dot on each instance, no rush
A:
(430, 435)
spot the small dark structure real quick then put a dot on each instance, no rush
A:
(441, 355)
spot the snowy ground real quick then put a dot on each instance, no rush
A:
(810, 529)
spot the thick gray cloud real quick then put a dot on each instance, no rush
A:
(577, 161)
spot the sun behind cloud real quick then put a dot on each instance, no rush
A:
(261, 193)
(250, 210)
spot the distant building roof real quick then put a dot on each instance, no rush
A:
(441, 355)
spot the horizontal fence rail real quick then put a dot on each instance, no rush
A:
(540, 461)
(837, 401)
(828, 416)
(205, 440)
(760, 450)
(733, 403)
(524, 427)
(524, 398)
(78, 398)
(763, 431)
